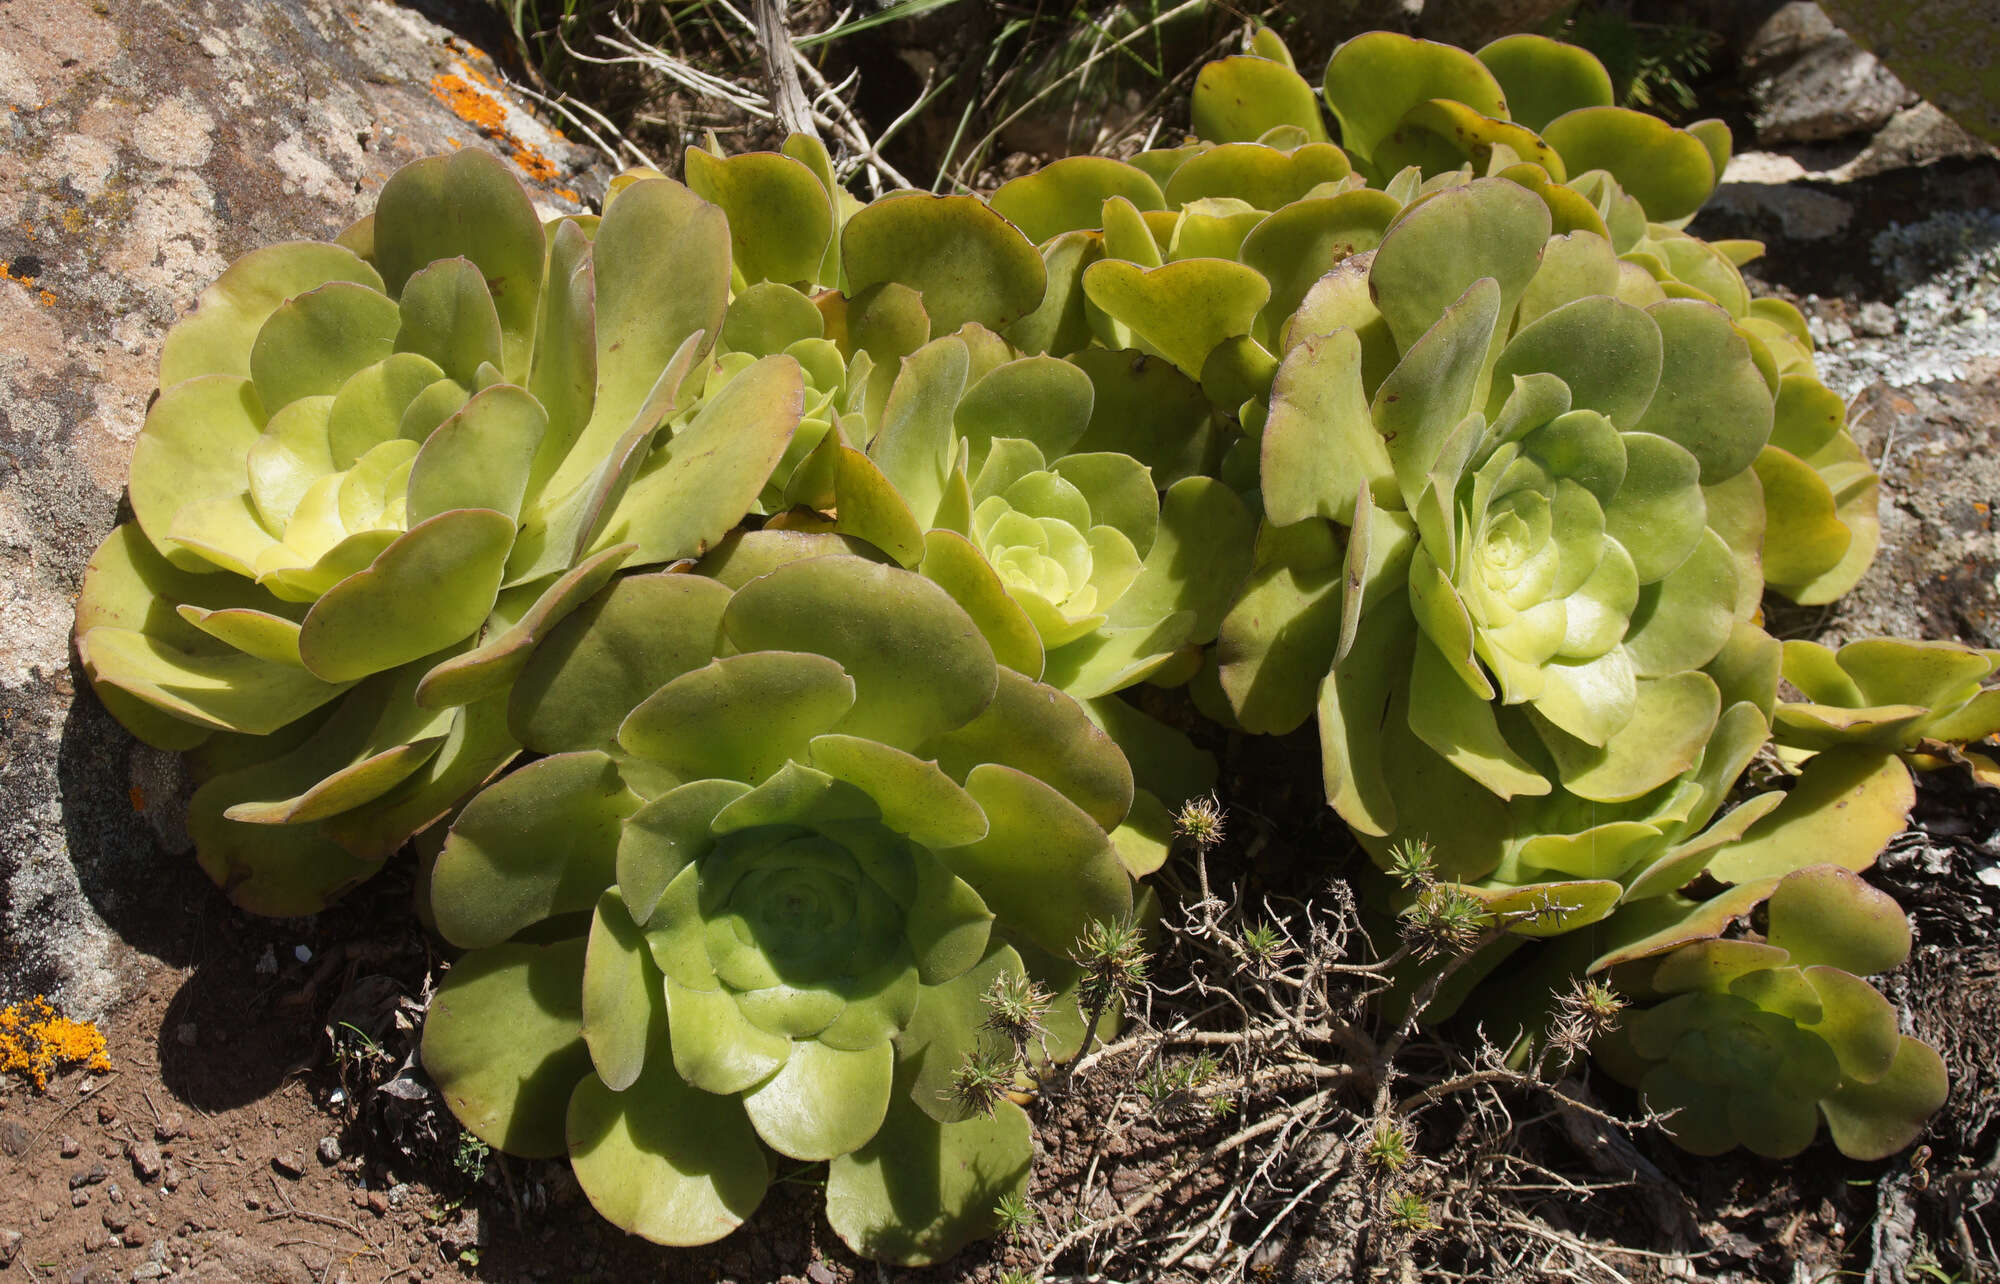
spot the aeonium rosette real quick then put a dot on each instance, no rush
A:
(378, 470)
(794, 823)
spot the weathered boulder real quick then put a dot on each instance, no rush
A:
(148, 143)
(1813, 83)
(1946, 50)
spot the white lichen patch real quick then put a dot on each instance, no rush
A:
(169, 241)
(17, 85)
(177, 133)
(86, 162)
(34, 622)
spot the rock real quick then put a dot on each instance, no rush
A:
(146, 1162)
(116, 1219)
(78, 1198)
(1946, 50)
(1830, 88)
(377, 1203)
(148, 1271)
(329, 1150)
(15, 1138)
(820, 1273)
(289, 1162)
(70, 1147)
(206, 1184)
(46, 1211)
(148, 143)
(1875, 319)
(10, 1244)
(90, 1176)
(169, 1127)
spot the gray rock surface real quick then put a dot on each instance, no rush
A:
(1813, 82)
(148, 143)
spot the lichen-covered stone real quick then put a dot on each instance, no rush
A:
(147, 145)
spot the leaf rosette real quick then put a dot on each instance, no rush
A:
(793, 824)
(1755, 1044)
(378, 471)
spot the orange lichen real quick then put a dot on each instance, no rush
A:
(487, 114)
(35, 1043)
(47, 298)
(470, 104)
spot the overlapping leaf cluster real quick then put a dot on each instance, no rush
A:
(1435, 425)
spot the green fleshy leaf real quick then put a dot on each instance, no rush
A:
(479, 458)
(920, 1190)
(1668, 170)
(916, 445)
(705, 479)
(740, 717)
(312, 343)
(1871, 1121)
(503, 1042)
(967, 262)
(951, 562)
(1373, 79)
(665, 1160)
(666, 836)
(916, 797)
(469, 204)
(1146, 408)
(217, 337)
(1848, 803)
(1181, 310)
(1434, 387)
(490, 668)
(564, 375)
(1671, 720)
(1069, 194)
(190, 452)
(1263, 177)
(448, 317)
(1044, 867)
(1046, 734)
(1320, 445)
(613, 652)
(1240, 98)
(1462, 728)
(1606, 352)
(1824, 915)
(949, 1028)
(1712, 400)
(780, 217)
(1544, 78)
(823, 1102)
(542, 842)
(1442, 246)
(1280, 638)
(430, 588)
(624, 1006)
(919, 664)
(716, 1048)
(1301, 242)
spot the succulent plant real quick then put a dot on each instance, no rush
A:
(378, 471)
(793, 824)
(1916, 699)
(1754, 1044)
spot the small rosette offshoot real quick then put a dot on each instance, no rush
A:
(794, 823)
(1756, 1043)
(378, 471)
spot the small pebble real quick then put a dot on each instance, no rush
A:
(267, 963)
(289, 1162)
(71, 1147)
(114, 1194)
(88, 1177)
(329, 1150)
(377, 1203)
(46, 1210)
(78, 1198)
(148, 1271)
(146, 1162)
(15, 1138)
(168, 1128)
(107, 1114)
(207, 1185)
(10, 1244)
(116, 1219)
(302, 953)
